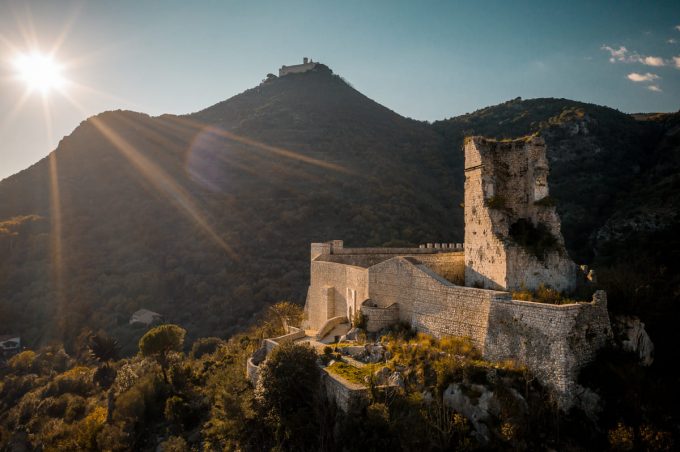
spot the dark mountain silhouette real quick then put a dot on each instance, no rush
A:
(207, 218)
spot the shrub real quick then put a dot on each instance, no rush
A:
(535, 239)
(103, 348)
(130, 405)
(23, 362)
(621, 437)
(75, 409)
(52, 358)
(176, 410)
(174, 444)
(495, 202)
(14, 387)
(180, 375)
(359, 320)
(543, 294)
(75, 381)
(104, 376)
(287, 392)
(545, 202)
(56, 406)
(359, 375)
(655, 439)
(205, 346)
(86, 430)
(113, 438)
(144, 400)
(160, 341)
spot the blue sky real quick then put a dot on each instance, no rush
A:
(427, 59)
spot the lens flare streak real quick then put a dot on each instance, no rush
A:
(164, 183)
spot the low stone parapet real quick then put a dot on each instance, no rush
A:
(378, 318)
(328, 326)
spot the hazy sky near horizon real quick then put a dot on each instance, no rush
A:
(427, 60)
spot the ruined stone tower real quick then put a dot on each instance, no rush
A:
(512, 230)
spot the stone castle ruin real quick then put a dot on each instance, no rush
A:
(307, 65)
(512, 241)
(507, 204)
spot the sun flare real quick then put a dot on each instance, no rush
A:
(40, 72)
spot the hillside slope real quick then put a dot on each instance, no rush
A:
(207, 218)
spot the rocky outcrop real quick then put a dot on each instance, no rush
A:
(480, 405)
(632, 337)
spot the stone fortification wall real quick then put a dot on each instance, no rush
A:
(252, 371)
(339, 276)
(294, 334)
(379, 318)
(296, 68)
(395, 251)
(337, 247)
(430, 303)
(335, 290)
(450, 266)
(555, 342)
(506, 182)
(269, 344)
(349, 397)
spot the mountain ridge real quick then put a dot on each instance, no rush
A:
(207, 217)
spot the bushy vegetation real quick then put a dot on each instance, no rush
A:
(353, 374)
(495, 202)
(545, 294)
(52, 401)
(402, 182)
(535, 239)
(126, 239)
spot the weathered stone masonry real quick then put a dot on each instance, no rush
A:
(506, 182)
(440, 290)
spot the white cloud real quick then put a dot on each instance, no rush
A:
(623, 55)
(676, 61)
(654, 88)
(677, 27)
(672, 41)
(619, 54)
(653, 61)
(648, 77)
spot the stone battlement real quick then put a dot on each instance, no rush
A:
(454, 289)
(337, 248)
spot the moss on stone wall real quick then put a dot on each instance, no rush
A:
(535, 239)
(359, 375)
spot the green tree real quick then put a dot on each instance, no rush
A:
(205, 346)
(103, 348)
(279, 317)
(159, 342)
(287, 394)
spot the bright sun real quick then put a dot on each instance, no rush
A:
(39, 72)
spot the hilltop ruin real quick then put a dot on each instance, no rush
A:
(512, 241)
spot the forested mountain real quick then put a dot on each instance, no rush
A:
(207, 217)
